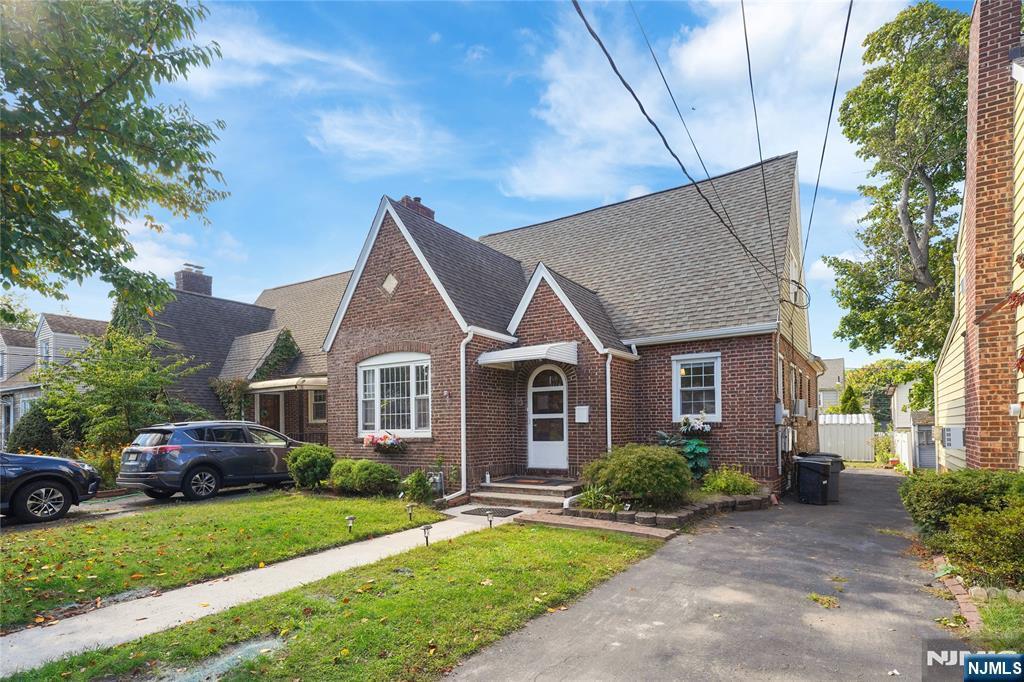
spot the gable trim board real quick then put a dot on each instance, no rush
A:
(705, 334)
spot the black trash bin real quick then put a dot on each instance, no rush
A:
(837, 466)
(812, 479)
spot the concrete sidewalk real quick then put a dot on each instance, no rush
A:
(119, 623)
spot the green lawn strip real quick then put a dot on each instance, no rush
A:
(1003, 626)
(411, 616)
(168, 547)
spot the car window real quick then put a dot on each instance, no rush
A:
(267, 438)
(226, 435)
(148, 439)
(195, 434)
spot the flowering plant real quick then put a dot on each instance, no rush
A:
(691, 446)
(384, 443)
(695, 423)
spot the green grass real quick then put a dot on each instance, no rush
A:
(410, 617)
(167, 547)
(1003, 626)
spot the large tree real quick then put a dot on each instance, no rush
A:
(117, 384)
(908, 118)
(19, 315)
(84, 145)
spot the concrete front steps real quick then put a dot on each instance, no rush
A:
(498, 494)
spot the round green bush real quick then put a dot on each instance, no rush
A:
(417, 488)
(340, 477)
(651, 476)
(374, 478)
(728, 480)
(34, 433)
(309, 465)
(930, 496)
(988, 546)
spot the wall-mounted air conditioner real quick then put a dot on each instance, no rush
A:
(953, 437)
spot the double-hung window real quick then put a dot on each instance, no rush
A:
(317, 406)
(394, 394)
(44, 352)
(697, 386)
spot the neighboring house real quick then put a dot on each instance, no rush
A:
(913, 441)
(23, 352)
(235, 340)
(977, 390)
(831, 383)
(537, 349)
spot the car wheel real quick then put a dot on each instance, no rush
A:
(42, 501)
(201, 483)
(158, 494)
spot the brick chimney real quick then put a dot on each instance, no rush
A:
(191, 278)
(990, 377)
(417, 205)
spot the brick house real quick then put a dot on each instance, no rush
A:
(539, 348)
(978, 392)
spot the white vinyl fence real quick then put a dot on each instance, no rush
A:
(849, 435)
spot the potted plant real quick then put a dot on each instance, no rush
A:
(385, 443)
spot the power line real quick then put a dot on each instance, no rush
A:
(693, 143)
(757, 130)
(664, 141)
(824, 142)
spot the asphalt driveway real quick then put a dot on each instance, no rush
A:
(731, 602)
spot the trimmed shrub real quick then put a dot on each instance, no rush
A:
(988, 547)
(417, 488)
(310, 465)
(728, 480)
(374, 478)
(340, 477)
(930, 497)
(652, 476)
(34, 433)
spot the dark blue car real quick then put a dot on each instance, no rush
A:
(38, 488)
(198, 458)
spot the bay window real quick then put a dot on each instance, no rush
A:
(394, 394)
(697, 386)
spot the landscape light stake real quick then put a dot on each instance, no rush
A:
(351, 520)
(408, 508)
(490, 519)
(426, 534)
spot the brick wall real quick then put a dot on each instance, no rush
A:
(990, 381)
(624, 401)
(746, 435)
(806, 429)
(412, 318)
(495, 439)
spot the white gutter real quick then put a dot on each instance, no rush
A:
(608, 397)
(462, 416)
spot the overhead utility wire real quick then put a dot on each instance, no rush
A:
(824, 142)
(693, 143)
(625, 84)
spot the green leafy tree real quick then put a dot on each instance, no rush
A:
(116, 385)
(908, 119)
(849, 401)
(83, 148)
(14, 313)
(872, 381)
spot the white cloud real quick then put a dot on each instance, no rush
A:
(597, 142)
(251, 56)
(434, 38)
(635, 191)
(822, 272)
(230, 248)
(476, 53)
(161, 252)
(379, 141)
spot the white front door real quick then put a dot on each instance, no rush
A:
(547, 437)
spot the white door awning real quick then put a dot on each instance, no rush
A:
(289, 384)
(506, 359)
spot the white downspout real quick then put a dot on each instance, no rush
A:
(462, 417)
(608, 397)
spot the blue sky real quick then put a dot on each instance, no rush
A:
(498, 115)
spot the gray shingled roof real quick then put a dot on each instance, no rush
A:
(22, 379)
(591, 309)
(18, 338)
(662, 263)
(484, 285)
(205, 327)
(247, 352)
(66, 324)
(306, 309)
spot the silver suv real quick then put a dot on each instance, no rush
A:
(198, 458)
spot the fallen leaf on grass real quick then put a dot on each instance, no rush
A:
(487, 582)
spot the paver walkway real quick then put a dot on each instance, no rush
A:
(731, 603)
(130, 620)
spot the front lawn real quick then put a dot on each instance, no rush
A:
(411, 616)
(1003, 626)
(46, 568)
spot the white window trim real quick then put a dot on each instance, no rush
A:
(309, 406)
(394, 360)
(781, 383)
(697, 357)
